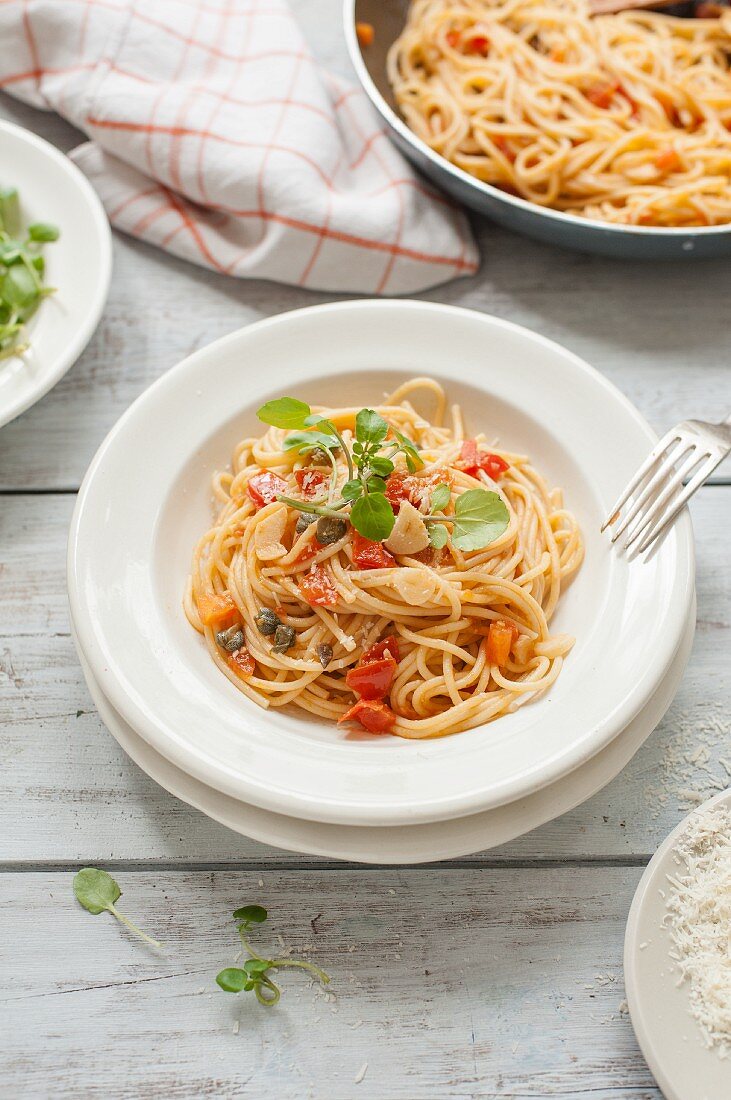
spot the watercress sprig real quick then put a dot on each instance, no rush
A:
(97, 891)
(21, 271)
(479, 516)
(255, 974)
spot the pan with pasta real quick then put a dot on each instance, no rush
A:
(623, 119)
(382, 570)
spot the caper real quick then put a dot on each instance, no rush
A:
(330, 529)
(266, 621)
(324, 654)
(231, 639)
(304, 521)
(283, 638)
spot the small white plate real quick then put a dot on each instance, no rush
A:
(460, 836)
(669, 1037)
(78, 264)
(146, 499)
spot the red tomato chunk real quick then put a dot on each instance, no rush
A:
(242, 663)
(318, 589)
(310, 482)
(373, 716)
(265, 488)
(372, 680)
(499, 641)
(370, 555)
(386, 648)
(472, 460)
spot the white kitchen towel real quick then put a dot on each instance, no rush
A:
(214, 134)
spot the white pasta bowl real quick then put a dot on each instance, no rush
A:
(146, 499)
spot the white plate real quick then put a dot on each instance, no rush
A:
(407, 843)
(670, 1039)
(79, 264)
(146, 499)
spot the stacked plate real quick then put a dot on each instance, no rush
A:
(299, 783)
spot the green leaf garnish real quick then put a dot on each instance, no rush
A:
(307, 441)
(97, 891)
(255, 973)
(372, 516)
(43, 231)
(440, 498)
(285, 412)
(380, 465)
(352, 489)
(20, 288)
(437, 535)
(370, 427)
(414, 461)
(480, 517)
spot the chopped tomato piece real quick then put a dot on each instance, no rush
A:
(415, 489)
(365, 33)
(265, 488)
(370, 555)
(478, 43)
(318, 589)
(453, 39)
(472, 460)
(308, 551)
(602, 94)
(668, 161)
(242, 663)
(372, 680)
(500, 638)
(310, 482)
(386, 648)
(215, 609)
(373, 716)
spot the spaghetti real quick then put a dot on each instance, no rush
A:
(622, 118)
(433, 641)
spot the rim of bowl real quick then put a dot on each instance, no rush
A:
(386, 111)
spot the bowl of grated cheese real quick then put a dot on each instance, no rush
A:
(677, 957)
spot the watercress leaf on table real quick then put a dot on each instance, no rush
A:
(19, 287)
(440, 498)
(370, 427)
(284, 412)
(96, 890)
(233, 980)
(256, 914)
(352, 489)
(381, 465)
(372, 516)
(307, 441)
(479, 518)
(43, 231)
(255, 967)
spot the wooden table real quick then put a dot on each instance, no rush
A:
(498, 975)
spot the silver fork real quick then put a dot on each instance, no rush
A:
(683, 459)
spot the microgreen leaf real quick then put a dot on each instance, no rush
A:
(479, 518)
(307, 441)
(414, 461)
(440, 498)
(437, 535)
(352, 489)
(255, 914)
(232, 979)
(43, 231)
(97, 891)
(285, 412)
(372, 516)
(370, 427)
(10, 210)
(19, 287)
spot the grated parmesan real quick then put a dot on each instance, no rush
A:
(699, 921)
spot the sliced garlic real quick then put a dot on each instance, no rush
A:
(268, 535)
(409, 534)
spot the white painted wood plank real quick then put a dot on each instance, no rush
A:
(68, 792)
(453, 984)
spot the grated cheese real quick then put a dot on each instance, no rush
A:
(699, 921)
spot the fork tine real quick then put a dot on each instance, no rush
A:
(695, 483)
(653, 484)
(666, 492)
(652, 458)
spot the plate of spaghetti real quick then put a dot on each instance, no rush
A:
(609, 132)
(336, 588)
